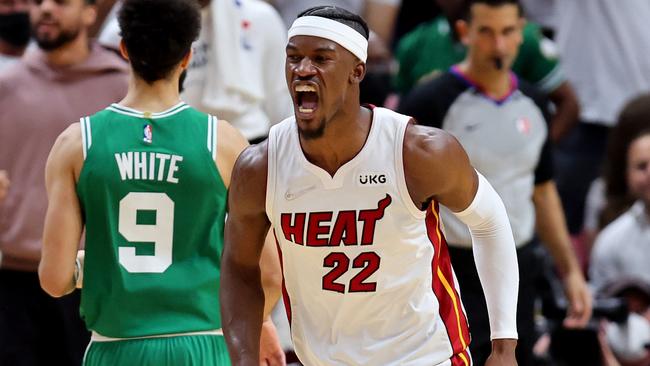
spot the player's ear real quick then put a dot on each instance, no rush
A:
(123, 50)
(462, 28)
(358, 73)
(89, 15)
(185, 62)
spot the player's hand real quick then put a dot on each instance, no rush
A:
(271, 353)
(503, 353)
(580, 300)
(4, 184)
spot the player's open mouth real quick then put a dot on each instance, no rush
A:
(306, 98)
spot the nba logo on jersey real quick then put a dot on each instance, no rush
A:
(523, 125)
(147, 133)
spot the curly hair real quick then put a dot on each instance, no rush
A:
(158, 34)
(340, 15)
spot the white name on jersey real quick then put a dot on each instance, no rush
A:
(148, 166)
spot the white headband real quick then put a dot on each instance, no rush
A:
(330, 29)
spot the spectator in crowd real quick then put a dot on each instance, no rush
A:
(605, 54)
(610, 195)
(501, 122)
(621, 248)
(620, 258)
(237, 68)
(433, 47)
(64, 77)
(14, 30)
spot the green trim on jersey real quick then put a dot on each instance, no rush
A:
(154, 207)
(430, 50)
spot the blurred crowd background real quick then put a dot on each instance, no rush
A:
(590, 59)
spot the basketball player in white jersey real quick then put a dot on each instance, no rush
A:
(352, 194)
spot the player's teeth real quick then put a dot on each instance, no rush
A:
(305, 88)
(305, 110)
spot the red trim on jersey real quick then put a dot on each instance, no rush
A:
(285, 294)
(461, 359)
(451, 309)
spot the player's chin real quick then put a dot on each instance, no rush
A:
(310, 129)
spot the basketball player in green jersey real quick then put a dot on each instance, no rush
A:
(147, 178)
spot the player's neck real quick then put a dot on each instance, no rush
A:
(158, 96)
(492, 82)
(71, 53)
(341, 141)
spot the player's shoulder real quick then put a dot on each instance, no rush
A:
(249, 177)
(71, 134)
(425, 142)
(433, 160)
(254, 158)
(230, 138)
(69, 142)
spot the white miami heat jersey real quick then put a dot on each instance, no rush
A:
(367, 276)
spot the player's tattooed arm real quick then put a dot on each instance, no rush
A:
(63, 221)
(242, 295)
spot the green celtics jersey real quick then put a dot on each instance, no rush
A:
(430, 49)
(154, 206)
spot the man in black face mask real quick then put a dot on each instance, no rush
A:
(14, 30)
